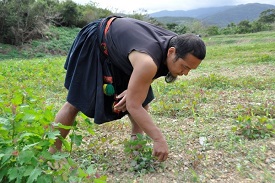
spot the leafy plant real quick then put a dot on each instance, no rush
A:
(25, 138)
(141, 155)
(255, 127)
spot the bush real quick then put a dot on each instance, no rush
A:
(22, 21)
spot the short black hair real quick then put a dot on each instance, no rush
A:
(188, 43)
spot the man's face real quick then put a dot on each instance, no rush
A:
(181, 66)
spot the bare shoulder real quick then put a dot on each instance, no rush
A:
(143, 60)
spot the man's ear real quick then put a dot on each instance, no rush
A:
(171, 50)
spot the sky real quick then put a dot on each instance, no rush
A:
(150, 6)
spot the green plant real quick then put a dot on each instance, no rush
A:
(25, 138)
(213, 81)
(141, 155)
(254, 127)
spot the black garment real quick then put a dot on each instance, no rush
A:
(84, 78)
(126, 35)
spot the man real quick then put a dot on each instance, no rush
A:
(126, 54)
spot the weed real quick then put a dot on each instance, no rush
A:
(255, 127)
(141, 154)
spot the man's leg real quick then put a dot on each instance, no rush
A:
(66, 116)
(135, 128)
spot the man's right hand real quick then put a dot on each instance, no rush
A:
(160, 150)
(121, 105)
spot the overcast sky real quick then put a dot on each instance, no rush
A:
(129, 6)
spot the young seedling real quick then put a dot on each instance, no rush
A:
(140, 152)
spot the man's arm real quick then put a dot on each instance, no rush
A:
(140, 81)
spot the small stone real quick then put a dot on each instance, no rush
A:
(202, 140)
(270, 160)
(223, 176)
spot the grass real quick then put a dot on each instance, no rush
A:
(236, 79)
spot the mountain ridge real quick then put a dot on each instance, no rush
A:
(219, 16)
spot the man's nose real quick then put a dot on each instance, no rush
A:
(186, 71)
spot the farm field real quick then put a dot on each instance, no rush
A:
(219, 121)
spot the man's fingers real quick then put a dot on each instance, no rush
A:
(121, 105)
(160, 156)
(122, 94)
(154, 153)
(165, 157)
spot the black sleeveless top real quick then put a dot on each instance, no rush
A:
(126, 35)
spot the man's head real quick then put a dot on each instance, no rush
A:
(188, 43)
(185, 52)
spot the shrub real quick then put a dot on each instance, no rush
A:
(21, 21)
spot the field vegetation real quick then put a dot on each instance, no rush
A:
(219, 121)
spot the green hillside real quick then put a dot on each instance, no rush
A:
(177, 20)
(237, 14)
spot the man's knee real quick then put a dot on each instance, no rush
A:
(71, 108)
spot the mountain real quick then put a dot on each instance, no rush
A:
(177, 20)
(196, 13)
(219, 16)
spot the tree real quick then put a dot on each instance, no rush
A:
(212, 30)
(21, 21)
(180, 29)
(244, 27)
(69, 13)
(230, 29)
(171, 26)
(88, 13)
(267, 16)
(196, 27)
